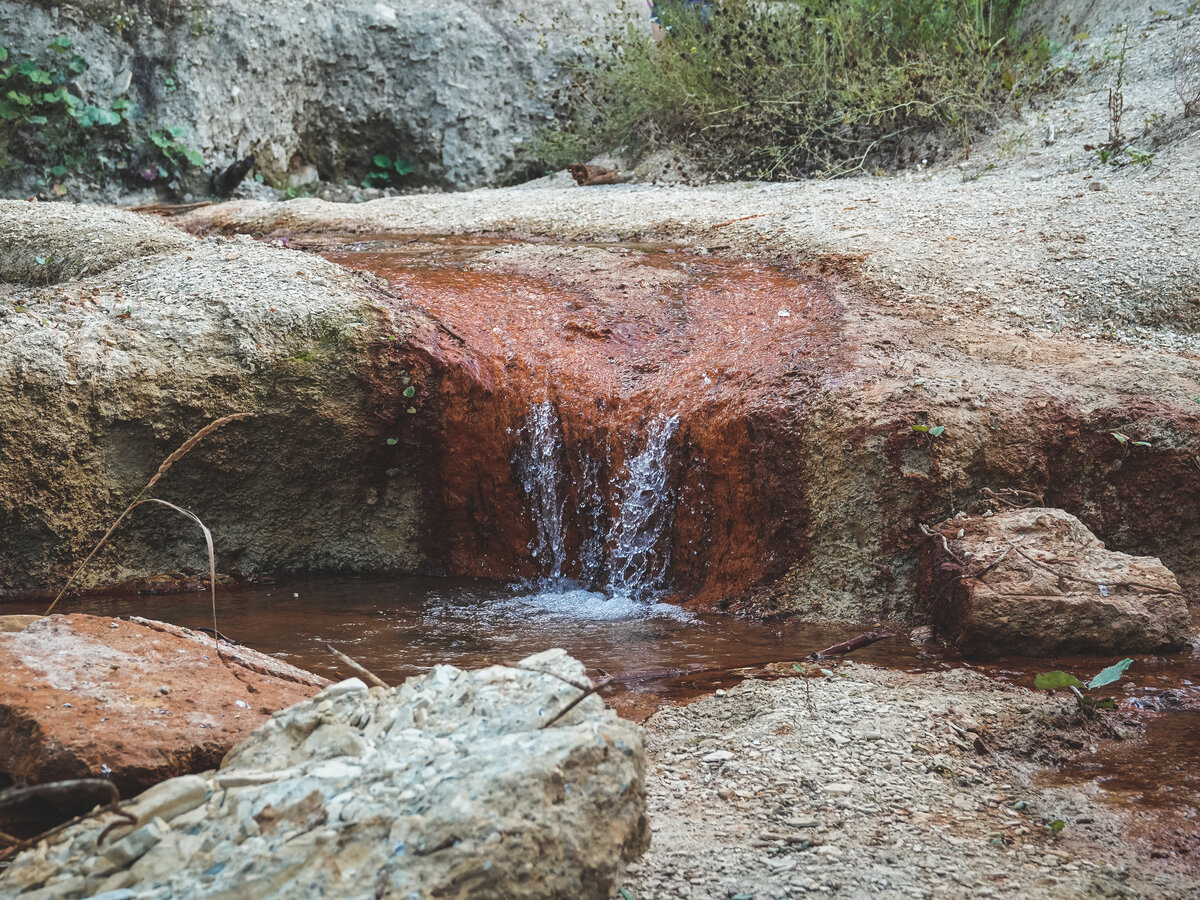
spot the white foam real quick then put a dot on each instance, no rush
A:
(564, 601)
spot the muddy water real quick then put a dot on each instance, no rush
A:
(658, 653)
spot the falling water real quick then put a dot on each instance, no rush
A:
(541, 470)
(645, 514)
(626, 552)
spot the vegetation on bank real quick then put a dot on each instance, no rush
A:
(48, 124)
(793, 88)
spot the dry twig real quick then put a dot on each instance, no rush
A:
(929, 532)
(360, 669)
(18, 795)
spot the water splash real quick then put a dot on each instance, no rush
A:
(541, 470)
(637, 541)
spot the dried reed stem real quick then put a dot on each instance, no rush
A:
(187, 446)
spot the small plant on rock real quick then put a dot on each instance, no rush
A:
(1088, 703)
(387, 172)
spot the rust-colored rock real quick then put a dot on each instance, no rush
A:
(1036, 581)
(138, 700)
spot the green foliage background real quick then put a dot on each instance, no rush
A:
(753, 88)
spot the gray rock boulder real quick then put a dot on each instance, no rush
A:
(320, 88)
(447, 786)
(1037, 582)
(120, 337)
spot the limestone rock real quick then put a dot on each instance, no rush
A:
(81, 696)
(131, 335)
(1078, 597)
(454, 87)
(447, 785)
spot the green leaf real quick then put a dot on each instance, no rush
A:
(1121, 438)
(40, 260)
(20, 99)
(410, 391)
(382, 161)
(78, 65)
(195, 157)
(1141, 443)
(403, 167)
(1106, 703)
(3, 54)
(118, 104)
(1053, 681)
(58, 171)
(1020, 805)
(936, 432)
(1057, 825)
(922, 428)
(8, 111)
(37, 120)
(411, 410)
(1111, 674)
(392, 442)
(176, 130)
(625, 894)
(60, 44)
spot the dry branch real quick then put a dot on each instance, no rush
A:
(357, 667)
(855, 643)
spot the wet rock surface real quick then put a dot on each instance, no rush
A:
(134, 701)
(445, 786)
(1035, 581)
(869, 784)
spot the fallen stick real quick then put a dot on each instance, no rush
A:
(856, 643)
(20, 794)
(738, 219)
(360, 669)
(602, 683)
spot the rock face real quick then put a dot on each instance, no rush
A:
(989, 596)
(451, 87)
(447, 786)
(129, 336)
(138, 701)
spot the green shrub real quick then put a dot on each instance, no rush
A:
(46, 122)
(797, 87)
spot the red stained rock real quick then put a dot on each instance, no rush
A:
(990, 597)
(78, 693)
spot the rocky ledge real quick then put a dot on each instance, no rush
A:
(133, 701)
(463, 784)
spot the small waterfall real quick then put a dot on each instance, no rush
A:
(541, 470)
(645, 515)
(627, 552)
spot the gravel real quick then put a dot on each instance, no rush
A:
(867, 783)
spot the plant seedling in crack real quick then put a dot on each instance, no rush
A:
(1088, 703)
(1127, 443)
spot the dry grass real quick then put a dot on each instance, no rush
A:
(137, 501)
